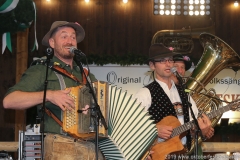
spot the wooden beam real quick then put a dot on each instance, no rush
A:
(220, 146)
(21, 66)
(9, 146)
(206, 146)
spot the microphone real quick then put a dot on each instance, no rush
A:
(179, 77)
(76, 51)
(49, 51)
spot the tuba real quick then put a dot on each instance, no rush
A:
(180, 40)
(217, 56)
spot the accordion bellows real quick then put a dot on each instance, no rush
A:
(130, 131)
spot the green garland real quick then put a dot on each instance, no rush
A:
(123, 60)
(19, 18)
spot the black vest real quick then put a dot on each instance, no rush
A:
(162, 106)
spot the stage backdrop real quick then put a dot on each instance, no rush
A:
(132, 78)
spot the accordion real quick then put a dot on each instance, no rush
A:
(130, 131)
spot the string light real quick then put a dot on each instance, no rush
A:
(182, 7)
(236, 3)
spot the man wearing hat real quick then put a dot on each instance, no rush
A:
(162, 97)
(182, 64)
(29, 91)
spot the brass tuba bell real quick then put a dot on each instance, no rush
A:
(180, 40)
(217, 55)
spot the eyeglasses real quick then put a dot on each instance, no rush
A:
(164, 61)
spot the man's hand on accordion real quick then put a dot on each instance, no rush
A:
(61, 98)
(85, 109)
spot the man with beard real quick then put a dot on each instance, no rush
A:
(29, 91)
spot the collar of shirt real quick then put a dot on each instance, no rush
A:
(164, 85)
(63, 65)
(172, 93)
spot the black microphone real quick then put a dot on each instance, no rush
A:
(76, 51)
(49, 51)
(174, 71)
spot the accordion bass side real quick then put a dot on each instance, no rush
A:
(82, 125)
(130, 131)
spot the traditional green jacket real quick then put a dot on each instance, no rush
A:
(33, 80)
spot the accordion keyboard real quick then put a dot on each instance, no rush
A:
(71, 119)
(71, 115)
(79, 125)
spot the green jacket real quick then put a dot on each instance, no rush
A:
(33, 80)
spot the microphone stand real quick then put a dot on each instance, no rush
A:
(49, 53)
(98, 114)
(197, 130)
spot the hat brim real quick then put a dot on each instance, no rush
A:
(80, 33)
(167, 54)
(188, 64)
